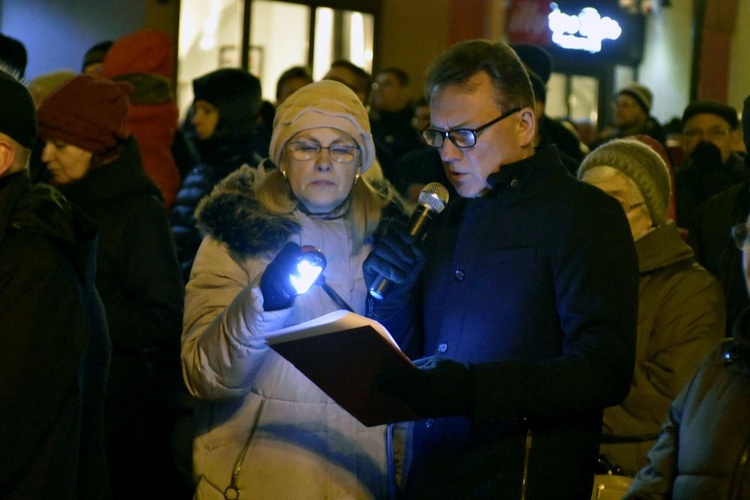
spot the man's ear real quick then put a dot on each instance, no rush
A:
(526, 126)
(7, 157)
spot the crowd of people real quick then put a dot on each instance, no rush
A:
(579, 311)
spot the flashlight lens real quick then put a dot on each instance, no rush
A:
(305, 276)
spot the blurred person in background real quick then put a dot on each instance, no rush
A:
(95, 163)
(145, 59)
(224, 113)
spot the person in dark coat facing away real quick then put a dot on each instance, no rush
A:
(96, 165)
(55, 345)
(224, 113)
(524, 319)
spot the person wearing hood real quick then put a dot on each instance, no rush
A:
(680, 304)
(264, 429)
(55, 344)
(224, 114)
(710, 165)
(145, 59)
(96, 165)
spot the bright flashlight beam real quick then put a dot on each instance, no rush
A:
(306, 275)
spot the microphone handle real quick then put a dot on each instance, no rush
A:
(417, 227)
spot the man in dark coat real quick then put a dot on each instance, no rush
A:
(525, 316)
(711, 239)
(55, 346)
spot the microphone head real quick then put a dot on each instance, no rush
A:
(434, 195)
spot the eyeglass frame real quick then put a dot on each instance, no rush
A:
(355, 151)
(446, 134)
(740, 229)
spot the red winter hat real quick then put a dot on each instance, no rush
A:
(88, 112)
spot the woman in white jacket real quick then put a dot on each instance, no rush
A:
(264, 430)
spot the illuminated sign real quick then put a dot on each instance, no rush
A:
(584, 31)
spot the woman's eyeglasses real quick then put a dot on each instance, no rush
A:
(340, 153)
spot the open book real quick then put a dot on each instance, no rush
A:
(342, 353)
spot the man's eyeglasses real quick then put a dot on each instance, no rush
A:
(740, 234)
(460, 137)
(715, 133)
(340, 153)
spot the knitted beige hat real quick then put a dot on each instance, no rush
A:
(323, 104)
(641, 164)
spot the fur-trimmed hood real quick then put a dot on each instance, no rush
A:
(231, 214)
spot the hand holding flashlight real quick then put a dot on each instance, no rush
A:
(294, 270)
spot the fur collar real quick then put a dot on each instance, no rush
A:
(231, 214)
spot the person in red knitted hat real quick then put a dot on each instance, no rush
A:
(95, 163)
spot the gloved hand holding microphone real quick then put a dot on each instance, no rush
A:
(396, 260)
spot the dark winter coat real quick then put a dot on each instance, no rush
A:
(703, 448)
(137, 271)
(534, 285)
(55, 348)
(715, 249)
(219, 158)
(139, 280)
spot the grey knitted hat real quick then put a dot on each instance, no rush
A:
(640, 93)
(641, 164)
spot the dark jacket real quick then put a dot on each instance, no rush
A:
(140, 283)
(696, 183)
(534, 285)
(219, 158)
(137, 273)
(55, 348)
(715, 248)
(705, 441)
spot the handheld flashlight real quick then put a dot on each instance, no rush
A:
(310, 265)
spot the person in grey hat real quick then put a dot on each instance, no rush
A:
(633, 115)
(54, 342)
(257, 414)
(680, 304)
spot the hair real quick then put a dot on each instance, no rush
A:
(302, 72)
(401, 75)
(458, 64)
(361, 218)
(364, 79)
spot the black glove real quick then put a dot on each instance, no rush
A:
(397, 258)
(275, 285)
(439, 388)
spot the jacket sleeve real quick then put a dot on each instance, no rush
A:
(150, 311)
(655, 480)
(687, 324)
(224, 324)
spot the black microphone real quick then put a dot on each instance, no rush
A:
(432, 201)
